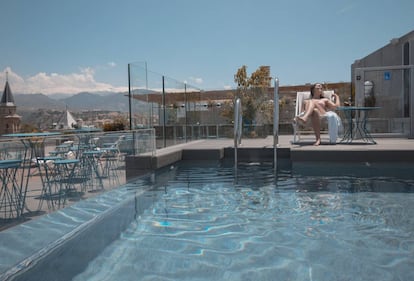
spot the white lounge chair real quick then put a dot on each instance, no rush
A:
(334, 121)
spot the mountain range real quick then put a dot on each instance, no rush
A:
(78, 102)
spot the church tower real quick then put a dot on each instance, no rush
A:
(9, 120)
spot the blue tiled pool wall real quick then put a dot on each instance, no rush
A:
(73, 256)
(104, 218)
(66, 261)
(399, 170)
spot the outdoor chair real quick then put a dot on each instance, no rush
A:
(11, 197)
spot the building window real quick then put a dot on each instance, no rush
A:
(406, 53)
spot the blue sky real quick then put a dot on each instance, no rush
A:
(52, 46)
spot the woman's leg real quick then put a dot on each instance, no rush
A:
(305, 105)
(316, 125)
(309, 107)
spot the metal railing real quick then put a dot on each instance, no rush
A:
(96, 159)
(275, 122)
(237, 128)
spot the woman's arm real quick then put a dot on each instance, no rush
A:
(336, 102)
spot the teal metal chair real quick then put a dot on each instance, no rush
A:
(12, 196)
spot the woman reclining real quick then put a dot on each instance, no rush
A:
(316, 107)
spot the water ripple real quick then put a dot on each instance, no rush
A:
(298, 228)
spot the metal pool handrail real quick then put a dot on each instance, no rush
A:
(237, 127)
(275, 122)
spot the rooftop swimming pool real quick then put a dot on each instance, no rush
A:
(202, 221)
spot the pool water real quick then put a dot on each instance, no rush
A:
(206, 223)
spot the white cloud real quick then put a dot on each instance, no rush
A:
(196, 80)
(111, 64)
(347, 9)
(53, 83)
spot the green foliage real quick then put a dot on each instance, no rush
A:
(252, 92)
(119, 124)
(27, 128)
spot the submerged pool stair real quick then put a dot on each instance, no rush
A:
(139, 165)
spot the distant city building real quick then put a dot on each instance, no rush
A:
(66, 122)
(9, 120)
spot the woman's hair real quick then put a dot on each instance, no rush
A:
(312, 89)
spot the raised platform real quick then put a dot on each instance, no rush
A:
(387, 150)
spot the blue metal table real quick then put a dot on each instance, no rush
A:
(355, 125)
(32, 143)
(92, 164)
(65, 179)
